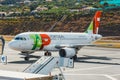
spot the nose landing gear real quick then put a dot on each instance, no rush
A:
(26, 54)
(26, 58)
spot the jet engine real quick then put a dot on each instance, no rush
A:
(67, 52)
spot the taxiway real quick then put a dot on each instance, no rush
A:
(94, 63)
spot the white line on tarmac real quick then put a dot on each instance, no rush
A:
(116, 75)
(86, 74)
(110, 77)
(87, 68)
(101, 48)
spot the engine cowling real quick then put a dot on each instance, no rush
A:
(67, 52)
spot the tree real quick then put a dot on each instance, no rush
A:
(33, 7)
(5, 2)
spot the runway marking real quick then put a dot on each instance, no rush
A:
(105, 49)
(115, 75)
(88, 68)
(110, 77)
(86, 74)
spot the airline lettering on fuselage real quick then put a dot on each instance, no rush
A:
(57, 37)
(61, 37)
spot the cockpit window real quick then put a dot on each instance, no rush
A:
(20, 38)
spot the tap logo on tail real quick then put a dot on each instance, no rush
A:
(95, 23)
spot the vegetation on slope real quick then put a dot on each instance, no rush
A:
(110, 24)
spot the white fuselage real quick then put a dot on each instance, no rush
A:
(34, 41)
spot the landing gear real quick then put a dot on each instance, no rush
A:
(47, 53)
(26, 58)
(74, 58)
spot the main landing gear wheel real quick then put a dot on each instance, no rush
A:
(74, 58)
(47, 53)
(26, 58)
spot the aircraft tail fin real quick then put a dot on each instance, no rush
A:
(95, 23)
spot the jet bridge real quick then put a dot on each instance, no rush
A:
(3, 58)
(45, 64)
(2, 44)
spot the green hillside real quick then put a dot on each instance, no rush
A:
(110, 24)
(25, 18)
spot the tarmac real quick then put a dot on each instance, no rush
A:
(94, 63)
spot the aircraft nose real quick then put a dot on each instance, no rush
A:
(12, 45)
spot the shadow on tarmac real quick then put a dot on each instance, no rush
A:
(87, 59)
(84, 59)
(23, 62)
(26, 62)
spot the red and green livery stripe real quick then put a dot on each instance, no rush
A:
(40, 40)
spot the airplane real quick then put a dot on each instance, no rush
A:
(67, 43)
